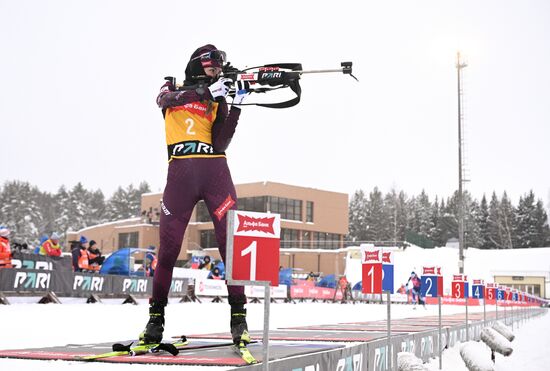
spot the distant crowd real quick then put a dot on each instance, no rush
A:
(85, 254)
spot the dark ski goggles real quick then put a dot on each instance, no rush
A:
(214, 58)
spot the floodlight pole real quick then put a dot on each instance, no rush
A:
(459, 66)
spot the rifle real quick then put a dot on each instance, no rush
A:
(266, 78)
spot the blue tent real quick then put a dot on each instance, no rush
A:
(327, 281)
(285, 276)
(119, 262)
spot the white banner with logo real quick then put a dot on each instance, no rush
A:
(277, 292)
(219, 288)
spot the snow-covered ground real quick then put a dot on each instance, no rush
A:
(36, 325)
(530, 346)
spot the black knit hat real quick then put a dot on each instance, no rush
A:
(194, 66)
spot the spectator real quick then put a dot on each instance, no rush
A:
(94, 254)
(5, 250)
(215, 274)
(43, 239)
(310, 277)
(206, 264)
(51, 246)
(79, 254)
(345, 288)
(150, 262)
(402, 289)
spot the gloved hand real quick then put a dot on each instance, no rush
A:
(166, 88)
(221, 87)
(241, 93)
(239, 96)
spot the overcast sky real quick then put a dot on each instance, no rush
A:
(78, 82)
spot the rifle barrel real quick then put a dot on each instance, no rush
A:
(321, 71)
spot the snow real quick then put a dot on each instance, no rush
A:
(503, 330)
(496, 341)
(38, 325)
(530, 350)
(474, 354)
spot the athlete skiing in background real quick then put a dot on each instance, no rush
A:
(199, 127)
(416, 285)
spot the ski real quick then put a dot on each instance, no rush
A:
(129, 350)
(244, 353)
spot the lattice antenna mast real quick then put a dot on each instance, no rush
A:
(461, 166)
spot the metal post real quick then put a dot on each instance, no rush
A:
(265, 340)
(496, 308)
(467, 324)
(440, 346)
(389, 331)
(484, 312)
(513, 316)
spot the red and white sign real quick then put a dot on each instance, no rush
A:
(254, 239)
(459, 288)
(371, 260)
(508, 294)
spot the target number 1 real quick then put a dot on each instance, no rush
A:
(252, 250)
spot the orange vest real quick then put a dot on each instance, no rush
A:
(5, 253)
(83, 259)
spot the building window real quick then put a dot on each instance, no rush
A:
(257, 204)
(208, 239)
(289, 238)
(309, 211)
(128, 240)
(288, 208)
(202, 213)
(326, 240)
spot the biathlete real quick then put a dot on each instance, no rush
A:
(199, 127)
(416, 285)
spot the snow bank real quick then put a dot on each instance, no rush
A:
(409, 362)
(476, 356)
(496, 341)
(503, 330)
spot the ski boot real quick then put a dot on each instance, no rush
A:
(155, 326)
(239, 328)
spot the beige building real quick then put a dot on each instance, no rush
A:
(310, 218)
(532, 283)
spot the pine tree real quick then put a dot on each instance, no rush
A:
(472, 215)
(496, 229)
(77, 207)
(395, 205)
(542, 238)
(506, 214)
(358, 217)
(526, 226)
(96, 213)
(61, 216)
(20, 210)
(423, 215)
(483, 222)
(376, 217)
